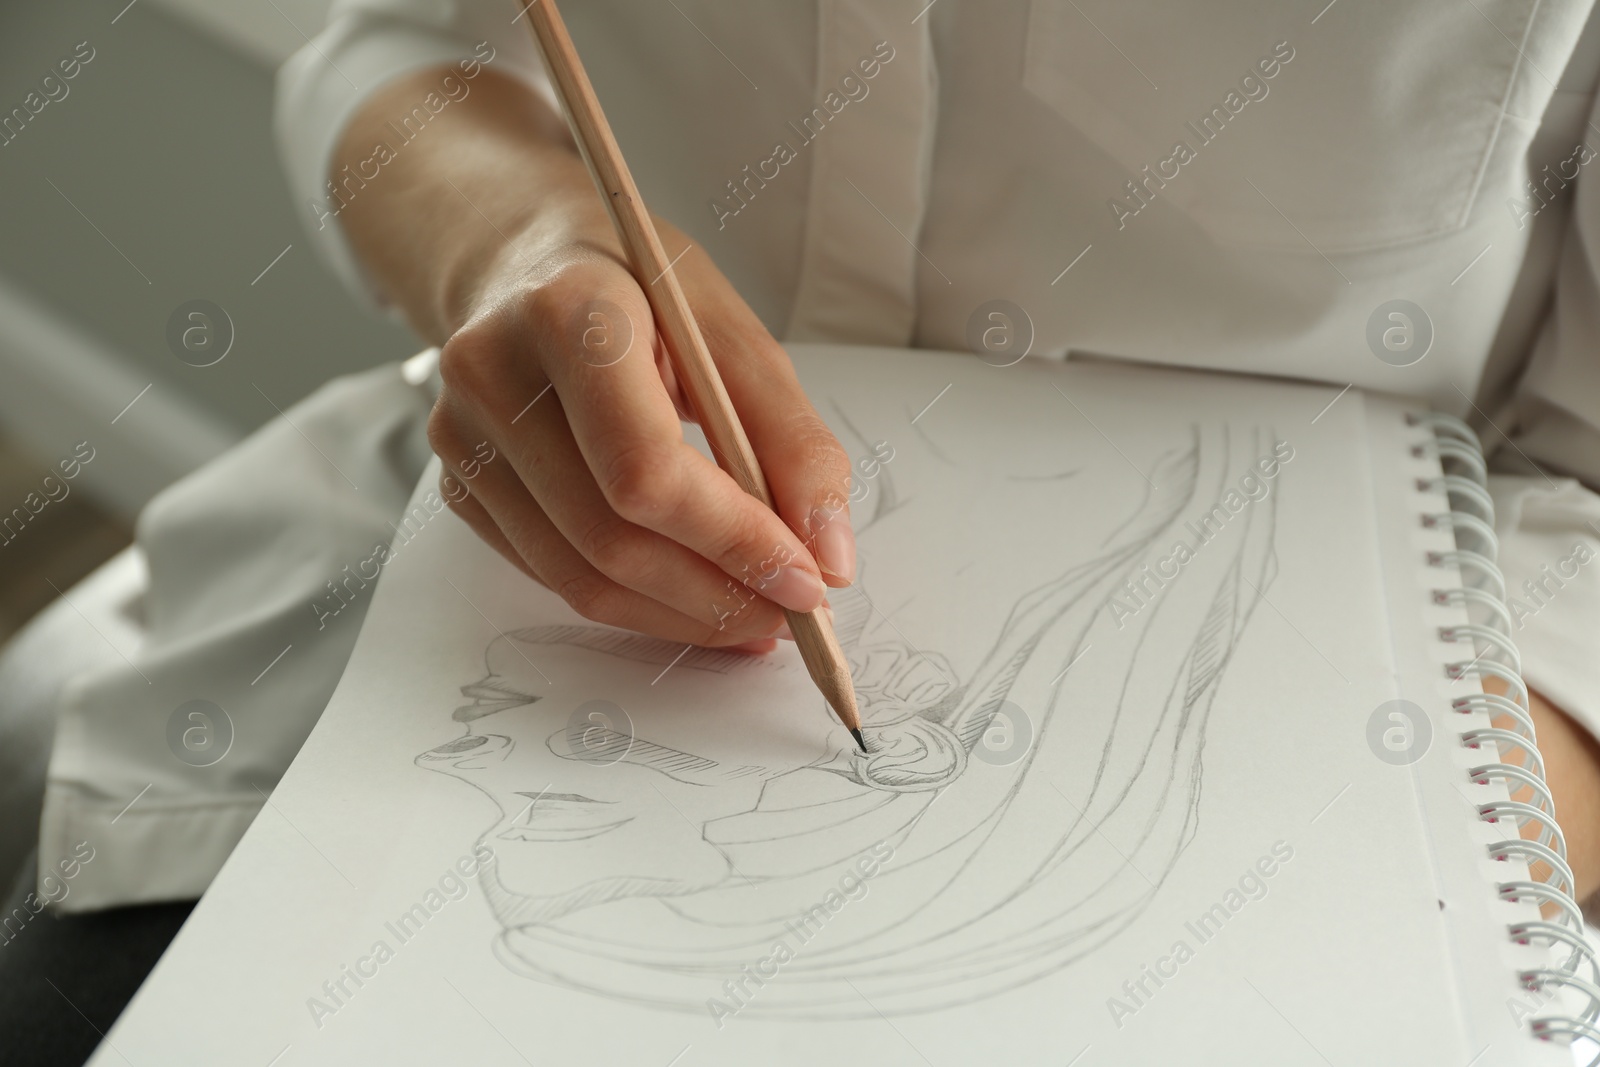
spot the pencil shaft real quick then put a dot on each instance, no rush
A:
(691, 360)
(651, 264)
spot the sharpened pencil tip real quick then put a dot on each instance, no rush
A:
(859, 739)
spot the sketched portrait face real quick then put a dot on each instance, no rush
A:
(576, 832)
(736, 805)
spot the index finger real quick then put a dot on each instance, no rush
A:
(603, 366)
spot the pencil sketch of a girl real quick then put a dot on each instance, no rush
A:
(691, 830)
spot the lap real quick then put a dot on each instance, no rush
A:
(64, 979)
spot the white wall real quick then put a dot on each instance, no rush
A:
(268, 32)
(155, 182)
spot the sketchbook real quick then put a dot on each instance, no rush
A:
(1178, 753)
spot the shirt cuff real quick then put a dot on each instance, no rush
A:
(1549, 534)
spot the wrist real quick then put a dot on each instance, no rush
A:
(522, 243)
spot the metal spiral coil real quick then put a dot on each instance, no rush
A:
(1471, 518)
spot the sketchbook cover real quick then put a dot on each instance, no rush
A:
(1118, 637)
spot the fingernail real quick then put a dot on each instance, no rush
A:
(794, 589)
(835, 542)
(783, 633)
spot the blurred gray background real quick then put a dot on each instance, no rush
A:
(154, 182)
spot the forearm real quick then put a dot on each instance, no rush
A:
(492, 176)
(1572, 771)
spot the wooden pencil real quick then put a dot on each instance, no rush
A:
(812, 631)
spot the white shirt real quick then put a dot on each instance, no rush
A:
(1231, 185)
(1235, 185)
(1373, 155)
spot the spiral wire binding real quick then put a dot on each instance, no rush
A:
(1471, 519)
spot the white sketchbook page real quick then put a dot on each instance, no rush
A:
(1012, 893)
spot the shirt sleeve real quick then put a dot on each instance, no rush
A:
(1549, 532)
(365, 45)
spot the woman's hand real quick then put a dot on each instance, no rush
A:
(552, 365)
(559, 368)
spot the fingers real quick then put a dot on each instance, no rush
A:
(756, 648)
(598, 495)
(482, 523)
(630, 439)
(631, 578)
(807, 470)
(551, 467)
